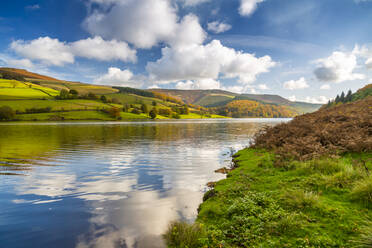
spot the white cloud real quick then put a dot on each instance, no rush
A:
(202, 84)
(218, 27)
(207, 62)
(193, 2)
(338, 67)
(263, 87)
(292, 98)
(296, 84)
(308, 99)
(21, 63)
(54, 52)
(115, 76)
(47, 50)
(188, 32)
(325, 87)
(97, 48)
(317, 100)
(143, 23)
(248, 7)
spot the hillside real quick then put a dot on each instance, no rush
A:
(26, 74)
(219, 98)
(343, 98)
(17, 85)
(28, 96)
(305, 183)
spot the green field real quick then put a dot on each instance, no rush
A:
(39, 95)
(197, 116)
(214, 100)
(12, 89)
(77, 115)
(56, 105)
(137, 100)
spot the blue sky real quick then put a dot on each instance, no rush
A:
(307, 50)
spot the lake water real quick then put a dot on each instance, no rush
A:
(109, 184)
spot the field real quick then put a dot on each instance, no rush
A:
(135, 99)
(77, 115)
(12, 89)
(214, 100)
(197, 116)
(56, 105)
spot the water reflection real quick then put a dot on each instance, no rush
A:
(109, 184)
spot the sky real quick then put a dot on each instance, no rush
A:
(304, 50)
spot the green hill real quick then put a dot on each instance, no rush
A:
(220, 98)
(30, 96)
(20, 88)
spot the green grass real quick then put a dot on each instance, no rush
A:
(137, 100)
(77, 115)
(266, 203)
(12, 89)
(197, 116)
(5, 83)
(22, 93)
(56, 105)
(214, 100)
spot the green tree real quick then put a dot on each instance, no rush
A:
(104, 99)
(144, 108)
(126, 108)
(349, 96)
(114, 112)
(63, 94)
(153, 113)
(337, 100)
(6, 113)
(342, 97)
(154, 103)
(74, 92)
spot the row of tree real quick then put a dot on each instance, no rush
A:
(343, 98)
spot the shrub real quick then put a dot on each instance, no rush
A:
(153, 113)
(362, 191)
(74, 92)
(299, 199)
(184, 235)
(7, 113)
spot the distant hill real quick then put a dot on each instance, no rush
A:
(19, 84)
(26, 74)
(220, 98)
(194, 96)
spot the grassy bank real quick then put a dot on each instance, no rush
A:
(305, 183)
(324, 202)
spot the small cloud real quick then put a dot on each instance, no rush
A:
(325, 87)
(292, 98)
(248, 7)
(115, 76)
(218, 27)
(317, 100)
(33, 7)
(296, 84)
(263, 87)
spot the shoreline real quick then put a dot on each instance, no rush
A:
(262, 203)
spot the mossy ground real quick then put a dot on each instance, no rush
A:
(325, 202)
